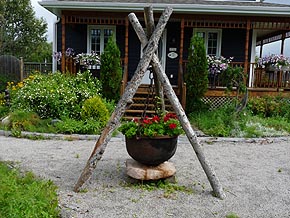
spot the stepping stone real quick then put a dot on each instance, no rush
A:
(140, 171)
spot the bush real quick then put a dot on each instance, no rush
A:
(196, 76)
(26, 196)
(269, 106)
(70, 126)
(54, 95)
(111, 71)
(94, 108)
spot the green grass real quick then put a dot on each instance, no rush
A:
(25, 195)
(224, 122)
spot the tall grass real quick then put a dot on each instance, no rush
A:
(25, 195)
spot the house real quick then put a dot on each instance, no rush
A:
(230, 28)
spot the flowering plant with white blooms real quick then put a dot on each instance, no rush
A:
(219, 64)
(88, 58)
(273, 60)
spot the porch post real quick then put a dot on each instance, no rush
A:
(283, 42)
(246, 64)
(63, 43)
(126, 60)
(261, 49)
(180, 69)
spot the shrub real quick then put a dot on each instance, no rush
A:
(94, 108)
(26, 196)
(70, 126)
(111, 71)
(196, 76)
(54, 95)
(269, 106)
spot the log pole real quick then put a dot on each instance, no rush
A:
(126, 98)
(168, 90)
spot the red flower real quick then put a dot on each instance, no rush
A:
(172, 125)
(170, 116)
(156, 119)
(146, 120)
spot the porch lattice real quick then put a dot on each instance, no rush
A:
(217, 101)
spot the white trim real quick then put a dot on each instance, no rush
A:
(56, 7)
(54, 44)
(253, 57)
(102, 27)
(207, 30)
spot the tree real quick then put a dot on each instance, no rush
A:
(111, 71)
(196, 76)
(42, 53)
(21, 31)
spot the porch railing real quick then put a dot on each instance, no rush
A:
(271, 78)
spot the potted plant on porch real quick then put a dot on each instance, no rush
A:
(151, 141)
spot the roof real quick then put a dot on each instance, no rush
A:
(179, 6)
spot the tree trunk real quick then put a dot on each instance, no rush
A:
(125, 99)
(168, 90)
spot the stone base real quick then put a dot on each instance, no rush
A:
(140, 171)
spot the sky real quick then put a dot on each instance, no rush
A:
(51, 19)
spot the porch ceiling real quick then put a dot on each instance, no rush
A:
(179, 6)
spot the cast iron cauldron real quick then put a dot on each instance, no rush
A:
(151, 151)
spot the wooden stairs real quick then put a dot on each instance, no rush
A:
(136, 109)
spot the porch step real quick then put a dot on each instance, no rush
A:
(140, 99)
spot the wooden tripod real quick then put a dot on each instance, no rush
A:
(148, 57)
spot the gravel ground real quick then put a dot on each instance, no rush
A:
(255, 175)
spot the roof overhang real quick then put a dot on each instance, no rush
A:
(57, 6)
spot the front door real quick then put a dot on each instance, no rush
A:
(162, 57)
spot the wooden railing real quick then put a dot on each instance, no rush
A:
(271, 78)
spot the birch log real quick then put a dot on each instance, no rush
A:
(150, 26)
(126, 98)
(168, 90)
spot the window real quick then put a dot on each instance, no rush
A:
(98, 37)
(212, 39)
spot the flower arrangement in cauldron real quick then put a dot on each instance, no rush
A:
(167, 125)
(273, 60)
(217, 65)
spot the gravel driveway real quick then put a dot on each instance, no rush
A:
(255, 175)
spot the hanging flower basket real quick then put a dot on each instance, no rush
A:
(151, 151)
(151, 141)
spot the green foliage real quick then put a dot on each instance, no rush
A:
(169, 188)
(21, 32)
(26, 196)
(232, 215)
(3, 110)
(41, 53)
(270, 106)
(218, 122)
(234, 77)
(54, 95)
(196, 76)
(156, 126)
(111, 71)
(94, 108)
(70, 126)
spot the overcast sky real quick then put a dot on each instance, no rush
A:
(50, 19)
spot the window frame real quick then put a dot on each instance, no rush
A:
(219, 38)
(102, 43)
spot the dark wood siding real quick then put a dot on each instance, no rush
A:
(172, 44)
(134, 52)
(233, 44)
(76, 37)
(120, 39)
